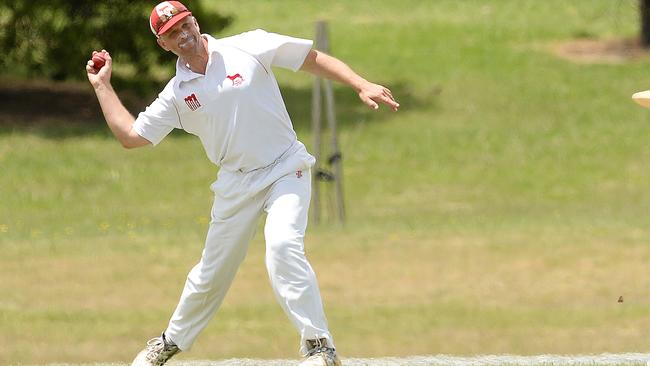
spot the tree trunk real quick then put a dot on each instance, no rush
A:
(644, 6)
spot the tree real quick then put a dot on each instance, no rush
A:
(644, 6)
(55, 38)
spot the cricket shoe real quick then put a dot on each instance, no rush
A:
(158, 351)
(319, 354)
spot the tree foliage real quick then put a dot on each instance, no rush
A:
(55, 38)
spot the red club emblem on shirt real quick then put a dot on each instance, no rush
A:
(236, 79)
(192, 102)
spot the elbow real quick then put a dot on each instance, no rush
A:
(127, 144)
(133, 140)
(310, 62)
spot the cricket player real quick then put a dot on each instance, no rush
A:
(224, 92)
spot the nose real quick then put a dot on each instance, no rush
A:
(184, 35)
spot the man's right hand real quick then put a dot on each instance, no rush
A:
(103, 76)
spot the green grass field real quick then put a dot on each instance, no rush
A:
(504, 209)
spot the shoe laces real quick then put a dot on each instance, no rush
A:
(159, 351)
(317, 346)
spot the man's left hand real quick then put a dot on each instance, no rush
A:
(373, 94)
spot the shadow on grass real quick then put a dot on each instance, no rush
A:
(54, 110)
(59, 111)
(350, 109)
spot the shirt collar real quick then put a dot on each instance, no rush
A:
(183, 73)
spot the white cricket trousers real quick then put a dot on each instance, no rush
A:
(283, 191)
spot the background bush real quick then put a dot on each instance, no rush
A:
(54, 38)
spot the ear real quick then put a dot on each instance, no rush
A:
(162, 44)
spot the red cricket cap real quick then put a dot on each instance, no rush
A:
(165, 15)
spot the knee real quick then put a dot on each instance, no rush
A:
(200, 278)
(286, 253)
(208, 277)
(284, 248)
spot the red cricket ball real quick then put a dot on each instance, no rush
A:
(99, 59)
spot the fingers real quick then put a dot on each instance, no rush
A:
(391, 103)
(103, 74)
(90, 67)
(370, 103)
(106, 55)
(374, 94)
(384, 98)
(109, 60)
(387, 98)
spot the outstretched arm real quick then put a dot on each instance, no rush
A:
(324, 65)
(118, 118)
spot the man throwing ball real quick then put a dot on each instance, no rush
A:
(224, 92)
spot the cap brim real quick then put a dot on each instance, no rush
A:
(643, 98)
(173, 20)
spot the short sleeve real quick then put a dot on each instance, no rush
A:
(274, 49)
(159, 118)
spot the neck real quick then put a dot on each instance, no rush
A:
(198, 62)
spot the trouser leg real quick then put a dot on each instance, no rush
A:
(292, 277)
(227, 240)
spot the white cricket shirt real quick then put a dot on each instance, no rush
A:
(235, 108)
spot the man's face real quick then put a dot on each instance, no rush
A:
(183, 39)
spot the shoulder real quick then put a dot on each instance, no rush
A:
(169, 89)
(253, 36)
(167, 96)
